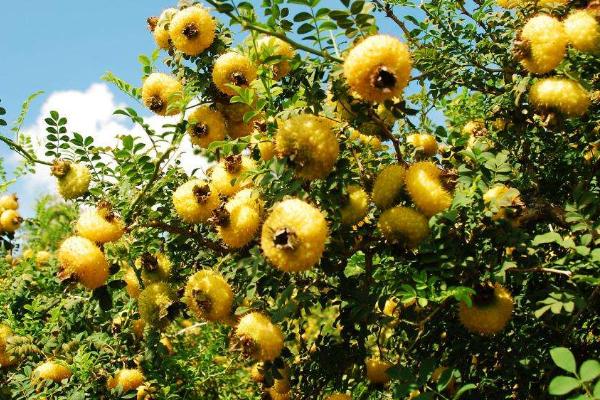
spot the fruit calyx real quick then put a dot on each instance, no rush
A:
(191, 31)
(238, 79)
(233, 163)
(203, 302)
(152, 23)
(484, 294)
(201, 193)
(106, 211)
(200, 130)
(221, 216)
(521, 48)
(60, 168)
(383, 79)
(149, 262)
(249, 346)
(285, 239)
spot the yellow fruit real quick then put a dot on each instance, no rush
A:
(248, 197)
(192, 30)
(234, 112)
(73, 179)
(7, 361)
(126, 380)
(391, 307)
(425, 189)
(294, 235)
(274, 395)
(378, 68)
(310, 144)
(239, 129)
(160, 92)
(339, 396)
(237, 222)
(161, 32)
(132, 282)
(543, 42)
(81, 258)
(376, 370)
(51, 371)
(256, 373)
(403, 225)
(233, 69)
(100, 224)
(501, 196)
(474, 128)
(266, 147)
(154, 303)
(491, 310)
(5, 334)
(138, 327)
(155, 267)
(205, 126)
(551, 3)
(260, 338)
(424, 143)
(10, 220)
(583, 31)
(27, 254)
(228, 178)
(508, 3)
(195, 201)
(9, 202)
(42, 258)
(209, 295)
(270, 46)
(560, 94)
(356, 206)
(388, 186)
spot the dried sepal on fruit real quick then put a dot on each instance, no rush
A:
(155, 267)
(228, 177)
(100, 224)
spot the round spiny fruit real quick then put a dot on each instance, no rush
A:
(583, 31)
(260, 338)
(271, 46)
(81, 258)
(257, 373)
(155, 267)
(7, 361)
(154, 303)
(233, 69)
(378, 68)
(391, 307)
(248, 197)
(541, 45)
(42, 257)
(294, 235)
(376, 370)
(100, 224)
(424, 143)
(404, 225)
(159, 91)
(339, 396)
(310, 144)
(356, 206)
(126, 380)
(205, 126)
(425, 189)
(266, 147)
(161, 32)
(551, 3)
(73, 179)
(51, 371)
(237, 222)
(9, 202)
(274, 395)
(239, 129)
(231, 170)
(192, 30)
(209, 295)
(10, 220)
(388, 186)
(490, 312)
(132, 282)
(5, 334)
(195, 201)
(560, 94)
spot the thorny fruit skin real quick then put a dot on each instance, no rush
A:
(5, 333)
(338, 396)
(192, 30)
(310, 143)
(273, 46)
(229, 170)
(132, 282)
(100, 225)
(404, 225)
(155, 267)
(294, 235)
(154, 302)
(388, 185)
(378, 68)
(256, 373)
(357, 205)
(264, 339)
(560, 94)
(205, 126)
(195, 201)
(126, 379)
(159, 91)
(9, 202)
(583, 31)
(161, 33)
(233, 69)
(10, 220)
(209, 295)
(491, 316)
(376, 370)
(51, 371)
(274, 395)
(544, 42)
(75, 183)
(424, 143)
(242, 221)
(234, 117)
(81, 257)
(425, 188)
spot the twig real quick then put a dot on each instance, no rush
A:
(24, 153)
(541, 270)
(387, 9)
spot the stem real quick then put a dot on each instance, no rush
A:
(542, 270)
(24, 153)
(387, 9)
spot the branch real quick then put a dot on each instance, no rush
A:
(541, 270)
(24, 153)
(387, 9)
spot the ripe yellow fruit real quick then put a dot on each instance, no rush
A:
(160, 92)
(81, 258)
(376, 370)
(424, 143)
(155, 267)
(491, 310)
(42, 257)
(256, 373)
(294, 235)
(126, 380)
(403, 225)
(543, 42)
(228, 178)
(209, 295)
(100, 224)
(378, 68)
(356, 206)
(192, 30)
(508, 3)
(310, 143)
(260, 338)
(195, 201)
(161, 32)
(425, 188)
(238, 221)
(388, 186)
(274, 395)
(73, 180)
(339, 396)
(233, 69)
(10, 220)
(9, 202)
(271, 46)
(205, 126)
(391, 307)
(583, 31)
(560, 94)
(154, 303)
(266, 147)
(5, 333)
(7, 361)
(132, 282)
(51, 371)
(551, 3)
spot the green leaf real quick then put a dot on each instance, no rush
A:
(589, 370)
(563, 358)
(550, 237)
(561, 385)
(597, 390)
(463, 390)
